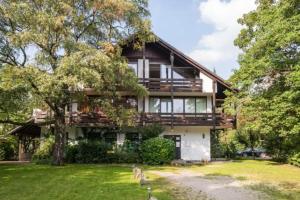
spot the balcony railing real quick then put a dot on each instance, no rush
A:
(192, 119)
(178, 119)
(179, 85)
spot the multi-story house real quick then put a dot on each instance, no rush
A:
(184, 97)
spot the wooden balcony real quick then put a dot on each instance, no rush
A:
(178, 119)
(179, 85)
(189, 119)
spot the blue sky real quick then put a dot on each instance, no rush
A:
(202, 29)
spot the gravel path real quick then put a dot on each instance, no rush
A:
(214, 187)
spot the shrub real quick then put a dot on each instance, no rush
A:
(44, 153)
(100, 152)
(70, 153)
(7, 150)
(92, 152)
(151, 131)
(157, 151)
(295, 159)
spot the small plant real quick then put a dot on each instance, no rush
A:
(157, 151)
(295, 160)
(151, 131)
(44, 153)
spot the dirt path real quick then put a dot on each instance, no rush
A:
(217, 187)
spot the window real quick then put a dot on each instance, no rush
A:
(154, 71)
(154, 105)
(189, 105)
(181, 105)
(178, 106)
(201, 106)
(166, 105)
(133, 137)
(132, 102)
(110, 138)
(165, 72)
(133, 67)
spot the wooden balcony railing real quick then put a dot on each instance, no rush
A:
(179, 85)
(178, 119)
(192, 119)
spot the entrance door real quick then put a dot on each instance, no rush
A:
(177, 140)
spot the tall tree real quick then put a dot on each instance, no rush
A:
(51, 50)
(269, 74)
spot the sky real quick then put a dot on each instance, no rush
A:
(202, 29)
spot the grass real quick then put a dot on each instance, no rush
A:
(257, 170)
(76, 182)
(279, 181)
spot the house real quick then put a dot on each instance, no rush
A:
(184, 97)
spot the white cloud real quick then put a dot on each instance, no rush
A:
(216, 49)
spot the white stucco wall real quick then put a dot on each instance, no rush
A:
(207, 83)
(74, 107)
(193, 146)
(120, 138)
(140, 68)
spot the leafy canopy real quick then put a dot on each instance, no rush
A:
(51, 50)
(269, 75)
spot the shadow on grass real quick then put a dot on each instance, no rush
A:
(275, 193)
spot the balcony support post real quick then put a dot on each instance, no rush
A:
(214, 105)
(144, 64)
(172, 89)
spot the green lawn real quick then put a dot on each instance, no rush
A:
(74, 182)
(114, 182)
(257, 170)
(279, 181)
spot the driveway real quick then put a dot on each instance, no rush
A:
(214, 187)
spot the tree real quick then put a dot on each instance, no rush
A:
(51, 50)
(269, 75)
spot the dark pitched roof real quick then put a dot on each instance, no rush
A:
(194, 63)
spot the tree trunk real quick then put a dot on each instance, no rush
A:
(59, 146)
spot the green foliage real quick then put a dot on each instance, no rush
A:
(51, 50)
(268, 77)
(157, 151)
(69, 182)
(87, 151)
(224, 144)
(43, 154)
(295, 159)
(8, 148)
(7, 151)
(151, 131)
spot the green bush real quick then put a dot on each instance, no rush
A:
(70, 153)
(157, 151)
(7, 150)
(43, 154)
(295, 159)
(100, 152)
(92, 152)
(151, 131)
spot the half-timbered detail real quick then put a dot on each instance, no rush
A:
(184, 96)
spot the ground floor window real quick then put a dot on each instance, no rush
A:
(133, 137)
